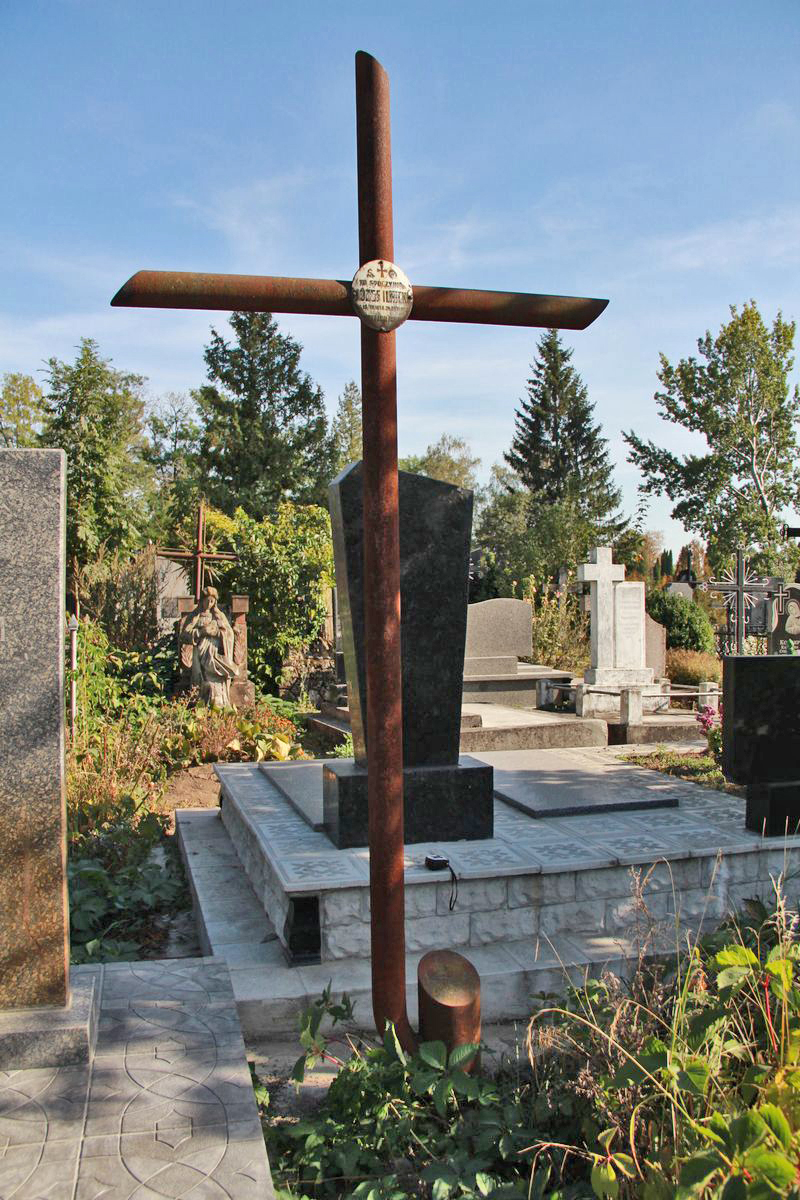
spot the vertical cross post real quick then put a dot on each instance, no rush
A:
(381, 564)
(740, 609)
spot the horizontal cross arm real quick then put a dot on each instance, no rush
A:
(331, 297)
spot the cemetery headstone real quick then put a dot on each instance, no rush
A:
(498, 634)
(243, 691)
(173, 586)
(34, 925)
(445, 798)
(43, 1021)
(761, 738)
(617, 636)
(655, 637)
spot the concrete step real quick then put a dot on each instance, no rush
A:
(270, 994)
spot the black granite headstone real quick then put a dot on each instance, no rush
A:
(444, 798)
(761, 737)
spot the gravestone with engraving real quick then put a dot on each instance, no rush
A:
(617, 638)
(445, 797)
(43, 1021)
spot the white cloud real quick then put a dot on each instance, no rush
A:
(727, 245)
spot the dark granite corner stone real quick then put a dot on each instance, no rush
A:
(773, 809)
(440, 804)
(761, 727)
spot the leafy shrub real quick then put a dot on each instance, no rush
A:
(121, 593)
(285, 566)
(560, 630)
(683, 1083)
(693, 667)
(687, 625)
(344, 749)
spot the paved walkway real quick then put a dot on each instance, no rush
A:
(165, 1108)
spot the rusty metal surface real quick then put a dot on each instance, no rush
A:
(242, 293)
(331, 297)
(449, 990)
(381, 569)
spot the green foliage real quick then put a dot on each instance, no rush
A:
(121, 591)
(682, 1084)
(21, 411)
(687, 625)
(558, 452)
(285, 566)
(693, 667)
(346, 428)
(393, 1120)
(739, 400)
(450, 459)
(131, 735)
(264, 433)
(345, 749)
(172, 452)
(560, 630)
(700, 768)
(95, 414)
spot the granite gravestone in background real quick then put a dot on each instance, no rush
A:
(445, 799)
(761, 738)
(34, 923)
(499, 632)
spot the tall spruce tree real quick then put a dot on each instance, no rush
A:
(264, 434)
(558, 451)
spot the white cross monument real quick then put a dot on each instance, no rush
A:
(617, 636)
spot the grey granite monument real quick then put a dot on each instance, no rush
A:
(43, 1021)
(446, 798)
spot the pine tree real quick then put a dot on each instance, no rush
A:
(264, 434)
(346, 429)
(558, 451)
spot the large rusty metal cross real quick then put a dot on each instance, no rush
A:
(381, 311)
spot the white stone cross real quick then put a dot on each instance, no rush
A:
(601, 574)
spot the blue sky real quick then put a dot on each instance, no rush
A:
(641, 152)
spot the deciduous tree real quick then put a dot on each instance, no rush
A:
(736, 397)
(22, 411)
(450, 459)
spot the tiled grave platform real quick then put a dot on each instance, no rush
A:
(541, 892)
(165, 1107)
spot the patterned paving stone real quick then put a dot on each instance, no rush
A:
(165, 1109)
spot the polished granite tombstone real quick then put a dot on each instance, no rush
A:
(443, 796)
(761, 738)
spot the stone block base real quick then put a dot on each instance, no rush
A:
(451, 804)
(773, 808)
(52, 1037)
(607, 700)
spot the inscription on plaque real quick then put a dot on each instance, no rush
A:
(629, 624)
(382, 295)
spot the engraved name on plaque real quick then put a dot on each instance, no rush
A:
(382, 295)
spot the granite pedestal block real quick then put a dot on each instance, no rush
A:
(61, 1036)
(450, 803)
(773, 809)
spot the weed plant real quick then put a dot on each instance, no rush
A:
(683, 1082)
